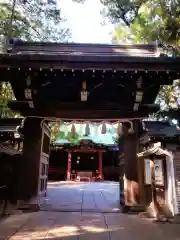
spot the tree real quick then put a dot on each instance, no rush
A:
(6, 94)
(122, 11)
(144, 21)
(34, 20)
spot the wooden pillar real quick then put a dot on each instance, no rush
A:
(36, 158)
(130, 167)
(100, 164)
(69, 166)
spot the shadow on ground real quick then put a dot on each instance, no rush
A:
(55, 226)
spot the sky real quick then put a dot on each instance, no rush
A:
(85, 21)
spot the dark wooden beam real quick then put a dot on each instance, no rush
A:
(90, 106)
(80, 114)
(37, 61)
(84, 107)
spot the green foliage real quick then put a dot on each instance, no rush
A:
(57, 132)
(6, 95)
(149, 21)
(144, 21)
(168, 96)
(34, 20)
(46, 21)
(168, 99)
(72, 139)
(124, 11)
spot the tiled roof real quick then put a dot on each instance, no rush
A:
(9, 124)
(75, 49)
(158, 128)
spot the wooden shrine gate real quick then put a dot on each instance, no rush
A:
(82, 82)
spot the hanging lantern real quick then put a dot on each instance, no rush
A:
(103, 130)
(87, 129)
(73, 130)
(119, 129)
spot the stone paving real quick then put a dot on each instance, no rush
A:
(89, 197)
(56, 224)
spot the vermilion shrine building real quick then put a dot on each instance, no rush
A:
(84, 82)
(86, 160)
